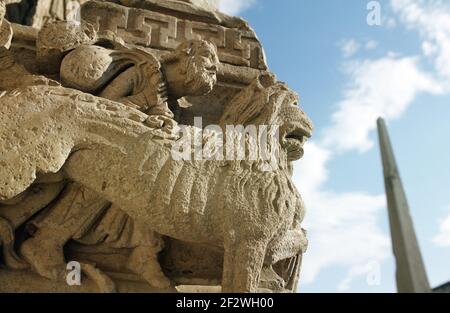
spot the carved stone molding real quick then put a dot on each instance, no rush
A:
(165, 31)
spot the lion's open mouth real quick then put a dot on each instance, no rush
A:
(294, 140)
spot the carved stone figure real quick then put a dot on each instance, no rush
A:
(90, 169)
(136, 79)
(5, 30)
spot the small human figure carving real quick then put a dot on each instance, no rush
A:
(133, 76)
(138, 79)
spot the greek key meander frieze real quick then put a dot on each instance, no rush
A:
(165, 32)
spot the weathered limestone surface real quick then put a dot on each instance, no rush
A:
(93, 118)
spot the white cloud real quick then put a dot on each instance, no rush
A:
(235, 7)
(384, 87)
(343, 231)
(442, 239)
(371, 270)
(390, 22)
(349, 47)
(431, 19)
(342, 227)
(371, 44)
(311, 172)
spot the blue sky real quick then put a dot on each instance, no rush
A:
(347, 74)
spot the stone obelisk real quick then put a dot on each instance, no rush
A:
(411, 274)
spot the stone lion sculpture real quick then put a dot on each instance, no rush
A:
(90, 154)
(109, 148)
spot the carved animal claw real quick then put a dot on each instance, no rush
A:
(162, 122)
(12, 260)
(103, 282)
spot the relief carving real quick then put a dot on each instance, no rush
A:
(89, 163)
(160, 31)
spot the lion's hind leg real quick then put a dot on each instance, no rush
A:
(143, 261)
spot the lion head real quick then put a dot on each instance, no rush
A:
(267, 101)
